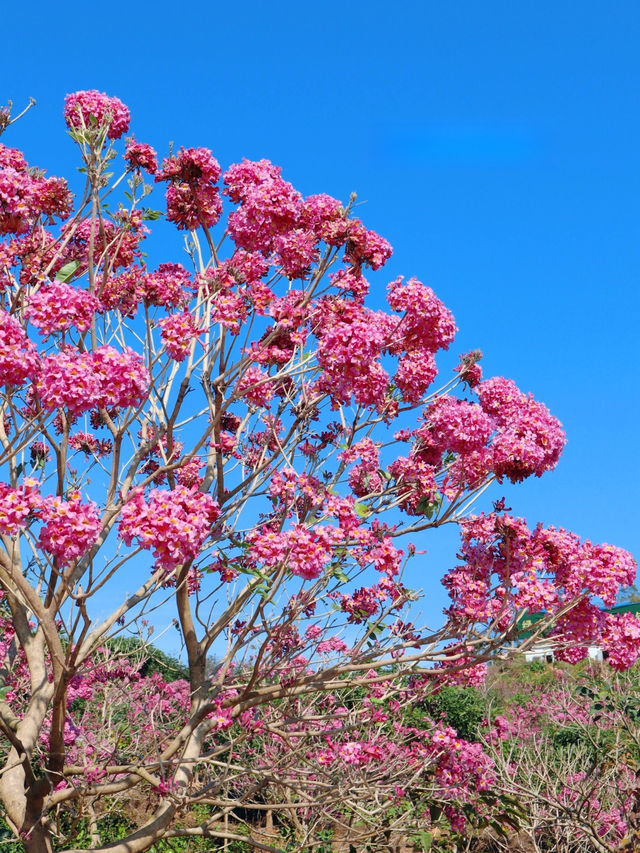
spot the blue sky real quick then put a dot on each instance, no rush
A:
(496, 146)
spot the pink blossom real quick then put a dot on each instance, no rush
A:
(621, 638)
(79, 381)
(269, 206)
(89, 444)
(124, 292)
(70, 528)
(177, 332)
(67, 380)
(139, 155)
(17, 504)
(193, 198)
(173, 523)
(366, 247)
(426, 323)
(18, 355)
(123, 378)
(326, 217)
(24, 195)
(81, 109)
(416, 371)
(351, 339)
(44, 308)
(255, 386)
(296, 251)
(458, 426)
(468, 369)
(169, 286)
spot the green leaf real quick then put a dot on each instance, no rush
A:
(425, 507)
(426, 840)
(65, 272)
(339, 575)
(362, 510)
(149, 214)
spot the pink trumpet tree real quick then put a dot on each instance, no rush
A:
(242, 436)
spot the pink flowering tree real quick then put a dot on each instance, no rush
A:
(241, 436)
(569, 753)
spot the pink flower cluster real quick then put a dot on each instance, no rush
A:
(366, 247)
(468, 369)
(123, 379)
(277, 345)
(306, 551)
(415, 483)
(528, 440)
(115, 244)
(309, 550)
(351, 339)
(177, 332)
(460, 762)
(123, 292)
(297, 251)
(289, 489)
(89, 109)
(193, 197)
(350, 281)
(139, 155)
(229, 308)
(25, 196)
(44, 308)
(621, 639)
(174, 523)
(326, 217)
(508, 568)
(507, 433)
(104, 378)
(170, 285)
(255, 386)
(426, 326)
(365, 477)
(18, 355)
(458, 426)
(17, 504)
(367, 601)
(269, 206)
(69, 528)
(89, 444)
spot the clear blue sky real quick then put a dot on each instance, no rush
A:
(497, 147)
